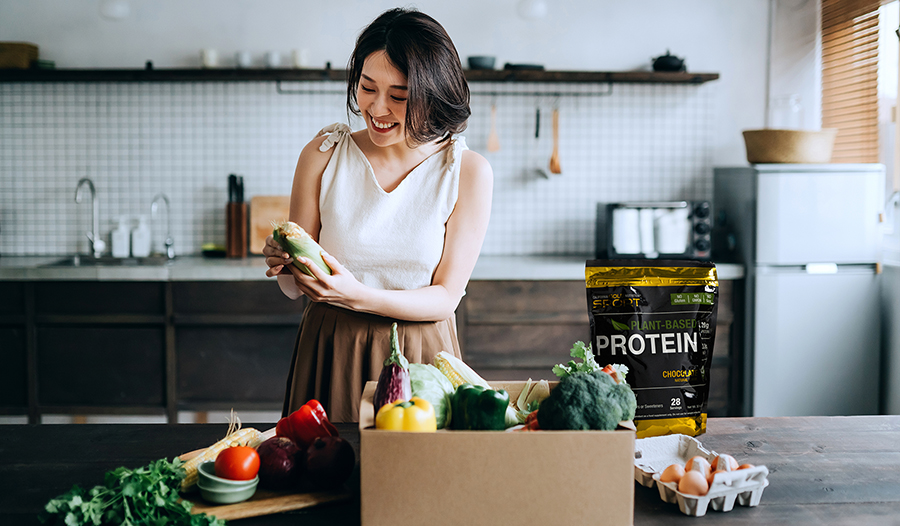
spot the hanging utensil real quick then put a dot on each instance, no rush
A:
(538, 166)
(493, 142)
(554, 157)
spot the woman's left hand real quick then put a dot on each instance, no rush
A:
(340, 288)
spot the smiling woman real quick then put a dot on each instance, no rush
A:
(400, 209)
(417, 48)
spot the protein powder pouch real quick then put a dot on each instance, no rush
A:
(658, 317)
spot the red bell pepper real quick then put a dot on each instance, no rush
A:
(304, 425)
(531, 422)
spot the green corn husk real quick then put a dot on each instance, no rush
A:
(296, 242)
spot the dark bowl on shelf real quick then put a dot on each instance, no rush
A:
(481, 62)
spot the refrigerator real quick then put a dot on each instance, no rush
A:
(809, 236)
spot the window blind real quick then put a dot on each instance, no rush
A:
(850, 78)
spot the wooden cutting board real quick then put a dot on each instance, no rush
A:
(265, 502)
(264, 209)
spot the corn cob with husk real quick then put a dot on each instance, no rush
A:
(297, 243)
(235, 436)
(457, 371)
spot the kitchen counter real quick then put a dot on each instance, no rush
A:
(196, 268)
(822, 470)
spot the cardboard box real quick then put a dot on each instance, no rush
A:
(494, 477)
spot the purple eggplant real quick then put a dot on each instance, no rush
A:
(393, 383)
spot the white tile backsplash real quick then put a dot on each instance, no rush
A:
(135, 140)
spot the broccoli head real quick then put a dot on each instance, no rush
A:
(584, 401)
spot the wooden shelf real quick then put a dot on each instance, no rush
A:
(643, 77)
(244, 75)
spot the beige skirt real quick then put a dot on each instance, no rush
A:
(339, 350)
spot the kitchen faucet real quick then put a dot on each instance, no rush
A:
(97, 244)
(169, 242)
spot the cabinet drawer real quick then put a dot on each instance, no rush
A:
(90, 298)
(518, 346)
(232, 298)
(102, 366)
(233, 364)
(526, 302)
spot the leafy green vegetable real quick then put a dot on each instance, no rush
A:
(583, 352)
(144, 496)
(429, 383)
(587, 401)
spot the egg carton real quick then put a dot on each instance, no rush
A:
(653, 455)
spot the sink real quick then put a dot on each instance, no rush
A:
(109, 261)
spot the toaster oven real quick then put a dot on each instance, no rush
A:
(671, 230)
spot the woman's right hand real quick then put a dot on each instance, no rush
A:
(276, 258)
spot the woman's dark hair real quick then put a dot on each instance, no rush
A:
(418, 46)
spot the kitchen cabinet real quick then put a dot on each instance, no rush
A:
(515, 330)
(13, 388)
(126, 347)
(234, 342)
(83, 365)
(13, 350)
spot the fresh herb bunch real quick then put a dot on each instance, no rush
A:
(583, 352)
(579, 350)
(144, 496)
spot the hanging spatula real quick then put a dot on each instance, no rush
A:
(493, 142)
(554, 157)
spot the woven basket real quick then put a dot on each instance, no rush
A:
(17, 55)
(789, 146)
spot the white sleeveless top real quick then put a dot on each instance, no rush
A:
(390, 241)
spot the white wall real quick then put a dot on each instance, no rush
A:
(796, 58)
(724, 36)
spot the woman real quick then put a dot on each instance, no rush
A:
(400, 208)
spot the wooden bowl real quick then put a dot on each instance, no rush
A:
(789, 146)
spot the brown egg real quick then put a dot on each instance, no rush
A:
(672, 473)
(746, 466)
(712, 475)
(728, 463)
(698, 464)
(693, 483)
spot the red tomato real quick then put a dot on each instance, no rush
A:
(237, 463)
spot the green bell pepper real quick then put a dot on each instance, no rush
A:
(475, 408)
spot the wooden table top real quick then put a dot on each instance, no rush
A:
(822, 470)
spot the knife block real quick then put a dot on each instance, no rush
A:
(236, 230)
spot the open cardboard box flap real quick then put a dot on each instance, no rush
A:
(494, 477)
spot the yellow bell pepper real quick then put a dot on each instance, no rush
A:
(416, 414)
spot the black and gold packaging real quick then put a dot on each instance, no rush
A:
(658, 317)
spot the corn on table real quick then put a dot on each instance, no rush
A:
(823, 470)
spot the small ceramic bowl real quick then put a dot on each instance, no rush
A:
(481, 62)
(206, 477)
(227, 496)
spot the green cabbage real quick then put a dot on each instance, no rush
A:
(428, 383)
